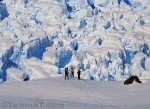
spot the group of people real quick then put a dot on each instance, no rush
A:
(72, 73)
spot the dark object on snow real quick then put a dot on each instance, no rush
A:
(131, 79)
(66, 73)
(79, 73)
(27, 78)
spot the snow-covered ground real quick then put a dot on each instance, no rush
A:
(107, 39)
(57, 93)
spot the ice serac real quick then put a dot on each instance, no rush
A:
(91, 3)
(127, 2)
(5, 55)
(3, 11)
(63, 55)
(17, 3)
(36, 48)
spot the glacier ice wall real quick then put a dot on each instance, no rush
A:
(107, 40)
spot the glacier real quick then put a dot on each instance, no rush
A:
(107, 39)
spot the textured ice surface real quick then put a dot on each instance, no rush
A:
(107, 39)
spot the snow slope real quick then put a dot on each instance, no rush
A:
(107, 39)
(57, 93)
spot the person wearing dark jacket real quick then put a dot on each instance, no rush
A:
(66, 73)
(79, 73)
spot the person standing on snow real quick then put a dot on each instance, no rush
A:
(79, 73)
(72, 71)
(66, 73)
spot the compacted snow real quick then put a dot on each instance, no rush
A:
(57, 93)
(108, 40)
